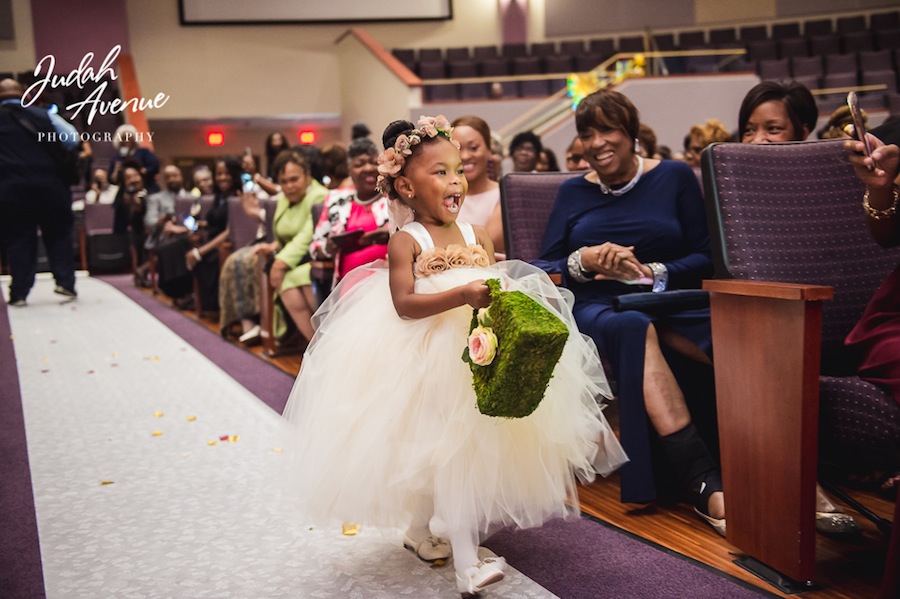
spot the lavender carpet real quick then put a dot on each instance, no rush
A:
(587, 559)
(20, 553)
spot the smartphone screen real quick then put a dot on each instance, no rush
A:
(190, 222)
(247, 181)
(859, 128)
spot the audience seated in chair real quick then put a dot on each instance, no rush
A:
(101, 191)
(288, 258)
(204, 259)
(239, 280)
(575, 156)
(876, 337)
(159, 216)
(359, 207)
(129, 207)
(701, 136)
(629, 225)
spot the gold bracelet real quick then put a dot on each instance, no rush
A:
(877, 214)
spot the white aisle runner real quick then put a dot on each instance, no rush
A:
(148, 464)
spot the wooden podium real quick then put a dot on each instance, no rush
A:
(767, 346)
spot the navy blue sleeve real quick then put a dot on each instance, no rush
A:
(696, 264)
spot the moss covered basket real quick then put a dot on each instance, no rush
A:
(530, 341)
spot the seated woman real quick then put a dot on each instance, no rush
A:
(289, 273)
(360, 207)
(633, 224)
(129, 206)
(701, 136)
(482, 205)
(877, 335)
(774, 111)
(204, 259)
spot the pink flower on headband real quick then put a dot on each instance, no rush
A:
(432, 125)
(404, 144)
(390, 162)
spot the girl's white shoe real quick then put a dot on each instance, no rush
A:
(432, 550)
(482, 574)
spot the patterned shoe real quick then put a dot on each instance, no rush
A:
(836, 523)
(432, 550)
(486, 572)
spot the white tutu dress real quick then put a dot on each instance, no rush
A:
(383, 412)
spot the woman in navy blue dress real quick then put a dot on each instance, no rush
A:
(633, 224)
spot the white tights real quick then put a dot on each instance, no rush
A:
(463, 542)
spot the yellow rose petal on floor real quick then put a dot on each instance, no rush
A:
(156, 433)
(106, 482)
(349, 529)
(115, 354)
(45, 359)
(277, 450)
(233, 438)
(12, 337)
(158, 414)
(156, 358)
(212, 442)
(191, 418)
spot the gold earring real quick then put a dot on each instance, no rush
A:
(409, 196)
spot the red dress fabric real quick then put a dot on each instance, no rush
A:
(876, 337)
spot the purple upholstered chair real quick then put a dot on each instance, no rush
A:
(526, 200)
(791, 213)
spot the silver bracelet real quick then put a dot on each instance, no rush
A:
(660, 276)
(576, 269)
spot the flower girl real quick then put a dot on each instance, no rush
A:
(384, 424)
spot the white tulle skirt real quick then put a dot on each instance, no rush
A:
(383, 414)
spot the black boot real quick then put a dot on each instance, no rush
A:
(695, 469)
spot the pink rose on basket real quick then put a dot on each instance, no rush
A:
(482, 345)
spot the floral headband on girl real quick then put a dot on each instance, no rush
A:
(392, 160)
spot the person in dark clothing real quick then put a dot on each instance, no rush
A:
(130, 206)
(33, 194)
(633, 224)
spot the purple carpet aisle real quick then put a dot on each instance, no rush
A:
(154, 473)
(149, 467)
(20, 554)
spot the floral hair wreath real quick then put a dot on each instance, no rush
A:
(392, 160)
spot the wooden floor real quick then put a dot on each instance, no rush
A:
(844, 568)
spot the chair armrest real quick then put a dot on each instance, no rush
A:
(660, 304)
(769, 289)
